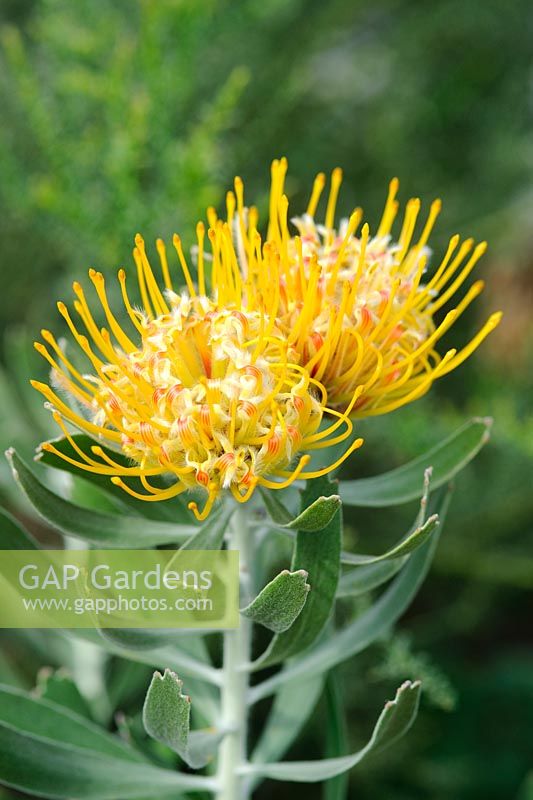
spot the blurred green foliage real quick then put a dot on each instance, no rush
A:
(119, 117)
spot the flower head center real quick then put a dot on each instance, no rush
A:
(198, 400)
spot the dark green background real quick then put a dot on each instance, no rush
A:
(131, 115)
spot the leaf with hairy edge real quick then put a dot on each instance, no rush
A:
(280, 602)
(367, 628)
(403, 548)
(173, 509)
(316, 516)
(12, 534)
(403, 484)
(372, 571)
(166, 718)
(399, 552)
(319, 555)
(106, 530)
(417, 535)
(394, 721)
(313, 518)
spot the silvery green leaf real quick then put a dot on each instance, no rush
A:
(292, 707)
(174, 510)
(45, 717)
(280, 602)
(403, 484)
(367, 628)
(319, 555)
(166, 718)
(313, 518)
(395, 720)
(413, 540)
(48, 751)
(419, 533)
(209, 536)
(106, 530)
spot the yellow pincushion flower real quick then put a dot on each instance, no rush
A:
(357, 308)
(206, 392)
(228, 382)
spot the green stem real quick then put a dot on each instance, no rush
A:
(237, 644)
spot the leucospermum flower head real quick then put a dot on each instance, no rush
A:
(203, 391)
(227, 383)
(357, 306)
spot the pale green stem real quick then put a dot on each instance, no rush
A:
(234, 691)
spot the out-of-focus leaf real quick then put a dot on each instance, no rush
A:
(292, 707)
(166, 718)
(280, 602)
(12, 534)
(49, 768)
(187, 658)
(58, 687)
(55, 723)
(400, 660)
(49, 751)
(394, 721)
(367, 628)
(336, 737)
(319, 555)
(139, 638)
(526, 790)
(313, 518)
(18, 351)
(404, 483)
(190, 642)
(10, 674)
(210, 536)
(189, 654)
(105, 530)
